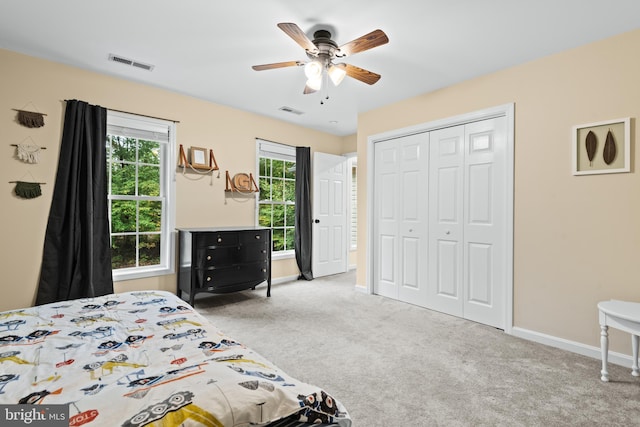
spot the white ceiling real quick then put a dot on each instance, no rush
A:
(205, 48)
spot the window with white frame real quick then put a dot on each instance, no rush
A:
(141, 194)
(276, 203)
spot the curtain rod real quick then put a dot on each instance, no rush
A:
(142, 115)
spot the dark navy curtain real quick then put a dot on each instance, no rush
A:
(76, 261)
(303, 220)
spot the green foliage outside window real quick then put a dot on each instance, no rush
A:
(276, 208)
(136, 206)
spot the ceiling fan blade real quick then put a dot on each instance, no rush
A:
(361, 74)
(297, 35)
(277, 65)
(366, 42)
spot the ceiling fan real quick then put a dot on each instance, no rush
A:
(322, 51)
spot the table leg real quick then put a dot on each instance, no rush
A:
(604, 347)
(634, 345)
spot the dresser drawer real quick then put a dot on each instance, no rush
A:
(254, 236)
(253, 251)
(246, 273)
(220, 238)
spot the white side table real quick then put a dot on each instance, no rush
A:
(621, 315)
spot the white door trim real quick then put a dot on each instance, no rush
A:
(505, 110)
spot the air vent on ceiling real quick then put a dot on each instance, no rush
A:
(290, 110)
(126, 61)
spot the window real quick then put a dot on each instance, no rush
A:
(141, 194)
(276, 204)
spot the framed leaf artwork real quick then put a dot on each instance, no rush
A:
(602, 147)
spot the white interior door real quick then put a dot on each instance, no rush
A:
(329, 236)
(400, 206)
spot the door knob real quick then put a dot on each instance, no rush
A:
(316, 221)
(447, 232)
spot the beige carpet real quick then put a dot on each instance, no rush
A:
(393, 364)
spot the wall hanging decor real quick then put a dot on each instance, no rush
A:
(30, 119)
(241, 183)
(201, 159)
(27, 189)
(28, 152)
(602, 147)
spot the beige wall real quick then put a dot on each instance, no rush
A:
(29, 83)
(576, 239)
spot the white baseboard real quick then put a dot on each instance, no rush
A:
(575, 347)
(362, 289)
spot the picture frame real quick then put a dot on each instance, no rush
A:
(602, 147)
(199, 157)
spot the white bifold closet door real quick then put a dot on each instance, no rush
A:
(440, 226)
(400, 206)
(466, 221)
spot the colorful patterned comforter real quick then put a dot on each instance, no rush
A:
(146, 358)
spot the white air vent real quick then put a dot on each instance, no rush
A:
(290, 110)
(126, 61)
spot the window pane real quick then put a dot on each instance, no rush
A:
(149, 249)
(289, 234)
(290, 216)
(278, 239)
(278, 215)
(265, 189)
(150, 216)
(123, 216)
(290, 191)
(123, 148)
(278, 168)
(123, 179)
(149, 181)
(265, 167)
(277, 189)
(123, 251)
(264, 216)
(149, 152)
(290, 170)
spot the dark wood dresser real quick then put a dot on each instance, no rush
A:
(223, 259)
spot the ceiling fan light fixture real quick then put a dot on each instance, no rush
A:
(313, 70)
(315, 83)
(337, 73)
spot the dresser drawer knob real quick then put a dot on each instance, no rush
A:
(208, 278)
(219, 239)
(264, 270)
(258, 237)
(208, 257)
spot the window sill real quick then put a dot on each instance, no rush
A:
(282, 255)
(139, 273)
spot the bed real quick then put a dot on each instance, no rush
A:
(148, 359)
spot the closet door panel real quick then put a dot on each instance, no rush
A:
(484, 230)
(446, 175)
